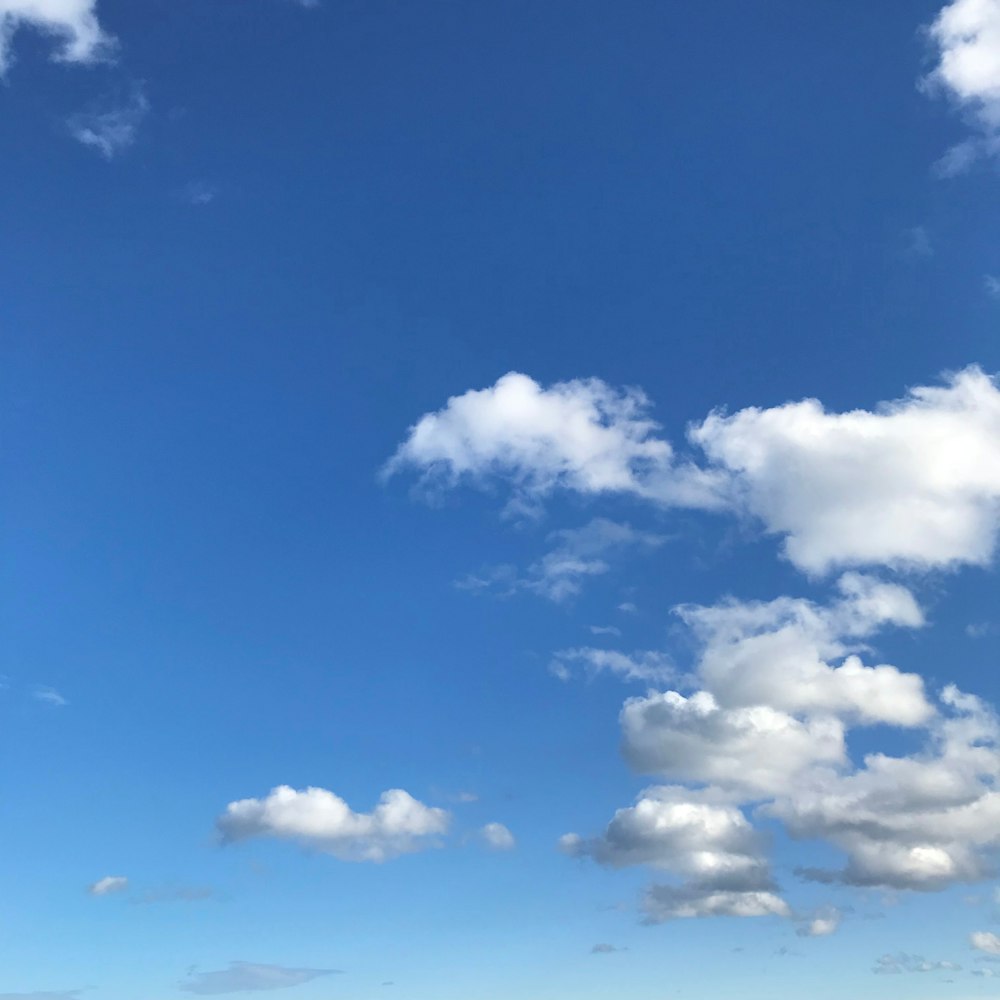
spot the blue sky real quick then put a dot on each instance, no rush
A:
(500, 499)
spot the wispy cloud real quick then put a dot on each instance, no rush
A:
(576, 555)
(250, 977)
(108, 885)
(110, 129)
(198, 193)
(903, 962)
(50, 696)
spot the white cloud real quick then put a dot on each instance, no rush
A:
(498, 837)
(50, 696)
(110, 129)
(648, 666)
(822, 924)
(72, 22)
(920, 822)
(755, 750)
(678, 830)
(399, 824)
(966, 35)
(576, 555)
(666, 902)
(985, 941)
(691, 834)
(915, 482)
(581, 435)
(779, 654)
(250, 977)
(768, 728)
(107, 885)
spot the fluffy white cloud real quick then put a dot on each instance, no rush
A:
(72, 22)
(678, 830)
(498, 837)
(706, 841)
(399, 824)
(966, 34)
(667, 902)
(985, 941)
(111, 129)
(582, 435)
(911, 483)
(822, 924)
(755, 750)
(107, 885)
(576, 555)
(243, 977)
(915, 482)
(778, 653)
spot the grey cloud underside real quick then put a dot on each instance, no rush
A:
(244, 977)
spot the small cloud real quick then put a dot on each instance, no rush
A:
(980, 630)
(107, 885)
(110, 128)
(917, 243)
(604, 630)
(822, 924)
(198, 193)
(991, 283)
(627, 608)
(250, 977)
(902, 962)
(606, 949)
(50, 696)
(497, 837)
(985, 941)
(466, 797)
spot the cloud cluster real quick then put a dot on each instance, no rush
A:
(911, 483)
(759, 730)
(399, 824)
(687, 833)
(73, 23)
